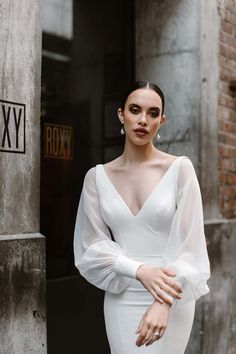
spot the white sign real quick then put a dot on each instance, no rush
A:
(12, 127)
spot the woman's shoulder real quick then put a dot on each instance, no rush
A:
(167, 159)
(91, 173)
(184, 165)
(186, 168)
(170, 157)
(90, 176)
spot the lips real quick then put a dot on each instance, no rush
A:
(141, 131)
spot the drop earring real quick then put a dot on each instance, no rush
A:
(122, 131)
(158, 136)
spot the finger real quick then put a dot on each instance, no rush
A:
(156, 296)
(167, 294)
(164, 297)
(142, 335)
(173, 284)
(148, 336)
(162, 331)
(139, 326)
(170, 291)
(152, 340)
(169, 272)
(140, 339)
(154, 337)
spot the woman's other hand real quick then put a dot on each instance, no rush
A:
(153, 324)
(159, 282)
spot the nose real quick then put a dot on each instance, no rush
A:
(142, 119)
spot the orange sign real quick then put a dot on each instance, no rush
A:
(58, 141)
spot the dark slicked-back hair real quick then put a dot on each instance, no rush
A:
(140, 85)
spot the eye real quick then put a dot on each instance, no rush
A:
(154, 113)
(134, 110)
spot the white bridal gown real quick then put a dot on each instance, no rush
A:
(110, 243)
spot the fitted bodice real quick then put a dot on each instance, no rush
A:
(145, 234)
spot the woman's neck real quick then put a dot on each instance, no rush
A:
(135, 154)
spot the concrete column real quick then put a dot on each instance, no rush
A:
(209, 74)
(177, 47)
(167, 53)
(22, 254)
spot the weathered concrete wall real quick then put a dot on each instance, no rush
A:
(22, 254)
(214, 330)
(20, 59)
(58, 17)
(22, 300)
(209, 74)
(167, 53)
(177, 47)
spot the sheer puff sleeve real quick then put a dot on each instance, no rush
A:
(100, 260)
(186, 251)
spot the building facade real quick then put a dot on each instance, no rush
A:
(89, 54)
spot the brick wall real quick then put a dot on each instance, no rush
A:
(227, 109)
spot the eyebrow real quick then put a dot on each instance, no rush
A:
(135, 104)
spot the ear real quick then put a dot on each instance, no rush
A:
(120, 115)
(163, 120)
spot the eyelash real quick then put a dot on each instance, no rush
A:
(134, 110)
(153, 114)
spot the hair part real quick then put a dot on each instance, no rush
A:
(140, 85)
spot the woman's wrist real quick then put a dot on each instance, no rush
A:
(164, 304)
(140, 271)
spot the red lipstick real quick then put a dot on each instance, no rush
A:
(141, 131)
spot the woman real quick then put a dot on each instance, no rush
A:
(139, 235)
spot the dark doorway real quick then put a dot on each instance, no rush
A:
(83, 79)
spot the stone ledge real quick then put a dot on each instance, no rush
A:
(20, 236)
(219, 221)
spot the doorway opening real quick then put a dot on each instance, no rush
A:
(86, 66)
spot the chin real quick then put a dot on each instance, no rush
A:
(140, 142)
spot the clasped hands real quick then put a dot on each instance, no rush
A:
(160, 284)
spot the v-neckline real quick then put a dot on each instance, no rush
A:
(149, 195)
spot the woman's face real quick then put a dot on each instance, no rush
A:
(142, 116)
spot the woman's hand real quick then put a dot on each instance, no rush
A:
(153, 321)
(158, 281)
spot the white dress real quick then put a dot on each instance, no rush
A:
(110, 243)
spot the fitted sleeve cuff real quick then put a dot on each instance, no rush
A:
(126, 266)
